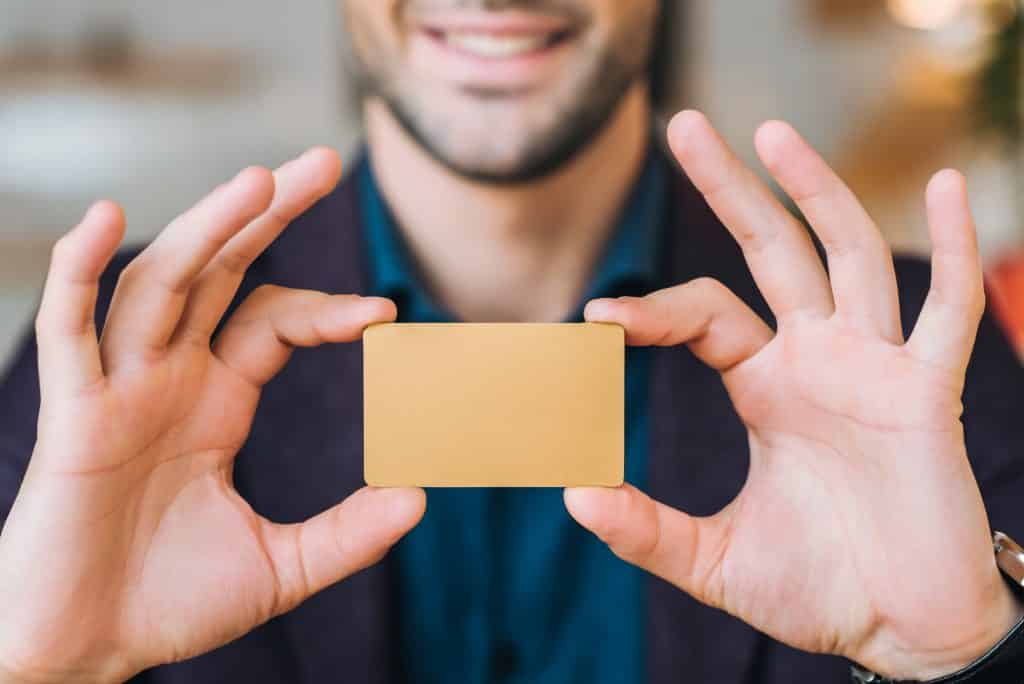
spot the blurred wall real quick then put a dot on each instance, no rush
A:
(752, 61)
(67, 140)
(64, 144)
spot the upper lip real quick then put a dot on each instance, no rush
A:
(494, 23)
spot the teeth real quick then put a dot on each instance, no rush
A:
(493, 46)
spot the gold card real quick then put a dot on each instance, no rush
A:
(494, 405)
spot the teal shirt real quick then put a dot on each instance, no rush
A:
(501, 585)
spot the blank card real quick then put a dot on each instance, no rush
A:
(493, 405)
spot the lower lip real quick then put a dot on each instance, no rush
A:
(430, 52)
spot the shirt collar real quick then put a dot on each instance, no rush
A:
(629, 265)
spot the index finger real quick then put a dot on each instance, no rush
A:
(259, 338)
(720, 329)
(299, 184)
(151, 292)
(777, 249)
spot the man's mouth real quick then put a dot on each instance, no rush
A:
(487, 45)
(496, 35)
(509, 51)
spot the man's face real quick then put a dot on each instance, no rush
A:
(501, 90)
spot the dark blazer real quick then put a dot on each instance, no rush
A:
(304, 455)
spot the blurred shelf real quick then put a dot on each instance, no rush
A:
(846, 13)
(197, 73)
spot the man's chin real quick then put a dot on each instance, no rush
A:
(499, 172)
(538, 156)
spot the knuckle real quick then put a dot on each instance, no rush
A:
(838, 247)
(131, 272)
(881, 246)
(279, 216)
(265, 293)
(711, 287)
(645, 547)
(631, 531)
(872, 243)
(261, 173)
(51, 324)
(194, 337)
(706, 282)
(42, 324)
(350, 551)
(61, 250)
(234, 262)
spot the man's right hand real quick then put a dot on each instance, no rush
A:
(128, 546)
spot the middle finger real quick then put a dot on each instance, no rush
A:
(777, 249)
(299, 185)
(152, 290)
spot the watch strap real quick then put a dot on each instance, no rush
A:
(1003, 664)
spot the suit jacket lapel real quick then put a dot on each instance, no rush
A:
(698, 456)
(307, 446)
(307, 449)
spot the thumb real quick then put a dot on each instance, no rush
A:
(681, 549)
(358, 532)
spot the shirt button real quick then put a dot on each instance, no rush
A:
(505, 660)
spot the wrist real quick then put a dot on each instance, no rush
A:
(15, 671)
(10, 676)
(1003, 616)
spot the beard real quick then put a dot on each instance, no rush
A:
(497, 137)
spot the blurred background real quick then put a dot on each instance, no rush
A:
(152, 104)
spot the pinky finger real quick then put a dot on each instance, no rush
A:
(948, 324)
(69, 357)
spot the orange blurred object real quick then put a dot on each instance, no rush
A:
(1006, 292)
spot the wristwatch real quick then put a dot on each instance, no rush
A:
(1004, 663)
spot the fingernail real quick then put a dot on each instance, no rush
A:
(96, 210)
(374, 305)
(401, 502)
(245, 172)
(311, 152)
(597, 309)
(584, 504)
(90, 213)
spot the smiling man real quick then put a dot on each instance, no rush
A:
(170, 488)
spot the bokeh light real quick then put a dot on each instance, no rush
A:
(925, 14)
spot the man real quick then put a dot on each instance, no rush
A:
(180, 502)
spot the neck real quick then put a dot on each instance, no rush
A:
(509, 253)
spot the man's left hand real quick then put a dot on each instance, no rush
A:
(860, 530)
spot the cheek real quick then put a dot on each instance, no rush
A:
(631, 27)
(373, 29)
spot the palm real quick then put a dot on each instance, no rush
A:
(165, 475)
(180, 405)
(859, 477)
(131, 478)
(835, 496)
